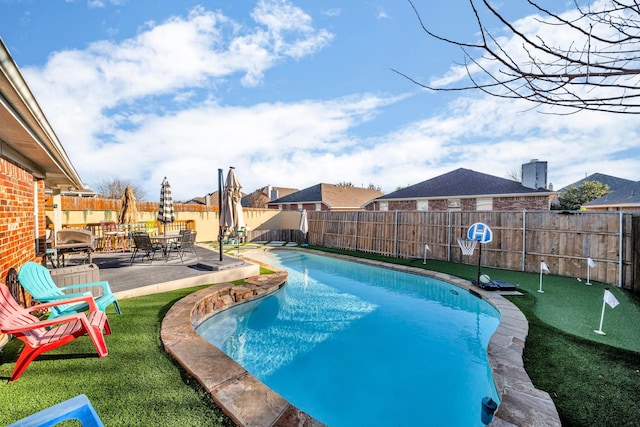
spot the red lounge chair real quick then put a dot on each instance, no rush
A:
(41, 336)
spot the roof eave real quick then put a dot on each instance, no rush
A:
(26, 134)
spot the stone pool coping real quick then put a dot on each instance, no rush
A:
(248, 402)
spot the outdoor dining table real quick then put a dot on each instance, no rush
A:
(165, 240)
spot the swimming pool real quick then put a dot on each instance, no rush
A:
(352, 344)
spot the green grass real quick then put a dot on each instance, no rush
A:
(592, 383)
(137, 384)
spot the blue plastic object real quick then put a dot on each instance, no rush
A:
(36, 279)
(489, 406)
(77, 408)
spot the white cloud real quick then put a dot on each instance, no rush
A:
(152, 106)
(107, 102)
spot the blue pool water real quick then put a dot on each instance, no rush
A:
(355, 345)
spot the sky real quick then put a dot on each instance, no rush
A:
(291, 93)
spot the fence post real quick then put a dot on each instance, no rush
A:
(449, 236)
(395, 236)
(524, 239)
(357, 218)
(324, 216)
(620, 254)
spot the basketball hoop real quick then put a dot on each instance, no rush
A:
(467, 245)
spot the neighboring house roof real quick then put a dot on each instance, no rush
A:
(334, 196)
(612, 182)
(265, 195)
(26, 137)
(628, 195)
(462, 182)
(213, 199)
(196, 201)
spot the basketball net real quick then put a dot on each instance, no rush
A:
(467, 245)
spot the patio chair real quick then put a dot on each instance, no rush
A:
(144, 246)
(110, 232)
(77, 408)
(41, 336)
(186, 243)
(51, 252)
(36, 279)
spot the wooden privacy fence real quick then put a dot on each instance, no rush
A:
(521, 239)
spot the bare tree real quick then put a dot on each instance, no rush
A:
(113, 188)
(515, 175)
(599, 68)
(258, 199)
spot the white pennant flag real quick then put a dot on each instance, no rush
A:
(610, 299)
(590, 263)
(544, 268)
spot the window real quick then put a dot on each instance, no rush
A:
(484, 204)
(453, 204)
(384, 206)
(422, 205)
(318, 206)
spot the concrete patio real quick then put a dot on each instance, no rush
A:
(146, 277)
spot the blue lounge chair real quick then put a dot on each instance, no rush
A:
(37, 280)
(77, 408)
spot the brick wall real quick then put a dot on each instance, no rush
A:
(402, 205)
(468, 204)
(538, 203)
(17, 225)
(438, 205)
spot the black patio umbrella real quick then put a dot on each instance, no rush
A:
(165, 210)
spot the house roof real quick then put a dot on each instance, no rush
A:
(334, 196)
(265, 195)
(26, 137)
(627, 195)
(462, 182)
(614, 183)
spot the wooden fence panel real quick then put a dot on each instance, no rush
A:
(521, 240)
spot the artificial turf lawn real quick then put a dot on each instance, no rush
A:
(137, 384)
(591, 384)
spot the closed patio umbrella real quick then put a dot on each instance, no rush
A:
(304, 226)
(129, 212)
(165, 210)
(231, 216)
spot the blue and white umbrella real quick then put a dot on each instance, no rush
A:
(165, 211)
